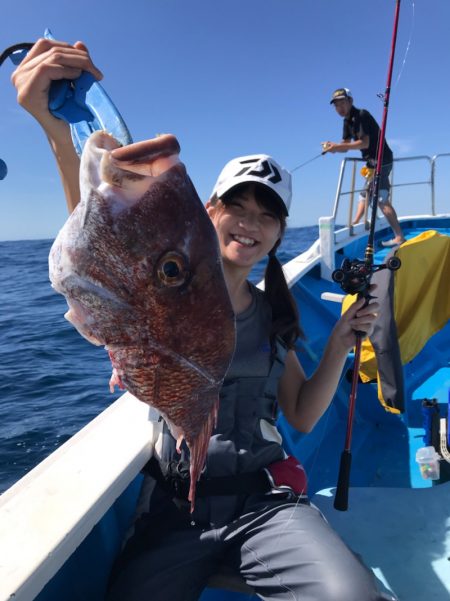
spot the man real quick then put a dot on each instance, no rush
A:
(361, 132)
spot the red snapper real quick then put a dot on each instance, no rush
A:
(139, 265)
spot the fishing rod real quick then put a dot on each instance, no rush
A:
(325, 146)
(354, 278)
(308, 161)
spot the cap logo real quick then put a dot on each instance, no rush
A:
(266, 171)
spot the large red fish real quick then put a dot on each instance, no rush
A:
(139, 264)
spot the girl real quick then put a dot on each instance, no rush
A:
(252, 512)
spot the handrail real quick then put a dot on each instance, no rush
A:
(430, 182)
(433, 174)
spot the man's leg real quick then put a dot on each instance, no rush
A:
(387, 209)
(360, 210)
(389, 212)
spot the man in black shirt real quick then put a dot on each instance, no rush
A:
(361, 132)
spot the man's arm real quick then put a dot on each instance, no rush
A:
(347, 145)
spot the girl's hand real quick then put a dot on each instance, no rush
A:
(47, 61)
(357, 318)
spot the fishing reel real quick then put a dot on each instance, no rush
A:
(367, 172)
(354, 275)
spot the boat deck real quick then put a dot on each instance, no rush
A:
(405, 528)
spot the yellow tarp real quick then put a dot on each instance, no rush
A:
(421, 299)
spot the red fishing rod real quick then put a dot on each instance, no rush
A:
(354, 278)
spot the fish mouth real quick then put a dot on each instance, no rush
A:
(131, 169)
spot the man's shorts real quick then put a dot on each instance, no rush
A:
(384, 187)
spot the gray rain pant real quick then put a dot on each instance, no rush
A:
(284, 550)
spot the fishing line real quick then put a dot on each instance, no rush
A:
(411, 31)
(408, 45)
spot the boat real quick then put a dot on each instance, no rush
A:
(62, 524)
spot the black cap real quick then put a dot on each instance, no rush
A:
(341, 93)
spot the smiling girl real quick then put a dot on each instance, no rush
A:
(252, 511)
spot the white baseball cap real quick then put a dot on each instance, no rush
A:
(260, 169)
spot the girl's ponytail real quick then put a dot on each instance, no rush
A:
(285, 316)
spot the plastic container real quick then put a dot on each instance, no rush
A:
(428, 461)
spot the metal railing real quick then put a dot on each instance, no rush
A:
(351, 193)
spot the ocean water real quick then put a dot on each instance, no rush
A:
(52, 381)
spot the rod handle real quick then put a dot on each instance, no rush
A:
(341, 497)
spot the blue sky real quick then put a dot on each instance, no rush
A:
(231, 78)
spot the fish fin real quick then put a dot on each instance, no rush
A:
(198, 449)
(115, 380)
(179, 443)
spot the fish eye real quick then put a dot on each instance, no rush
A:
(172, 269)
